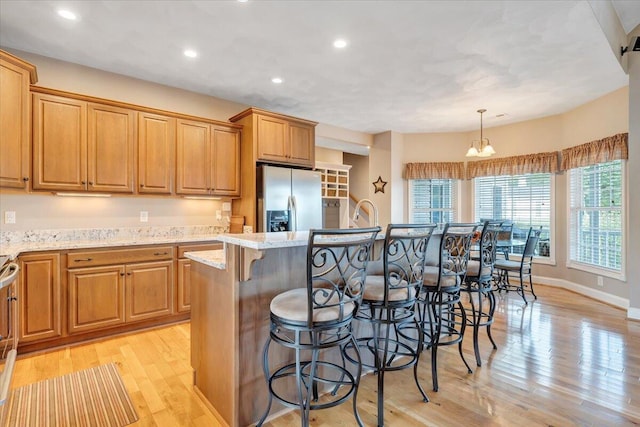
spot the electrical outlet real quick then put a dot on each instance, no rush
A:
(9, 217)
(226, 206)
(600, 281)
(144, 216)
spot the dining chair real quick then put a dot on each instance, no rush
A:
(520, 269)
(315, 318)
(393, 284)
(478, 285)
(441, 314)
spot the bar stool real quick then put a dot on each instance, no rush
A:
(388, 306)
(317, 318)
(441, 315)
(479, 285)
(522, 268)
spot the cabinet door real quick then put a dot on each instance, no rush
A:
(193, 158)
(14, 125)
(156, 147)
(110, 149)
(149, 290)
(301, 144)
(183, 298)
(96, 298)
(272, 138)
(40, 297)
(59, 143)
(225, 156)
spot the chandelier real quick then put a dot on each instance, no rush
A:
(484, 148)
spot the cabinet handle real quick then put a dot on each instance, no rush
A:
(90, 183)
(128, 274)
(83, 182)
(82, 259)
(161, 253)
(25, 179)
(141, 185)
(121, 274)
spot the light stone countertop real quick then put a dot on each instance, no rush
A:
(13, 244)
(275, 240)
(215, 258)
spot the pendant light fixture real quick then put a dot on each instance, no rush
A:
(484, 148)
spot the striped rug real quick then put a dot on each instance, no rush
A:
(94, 397)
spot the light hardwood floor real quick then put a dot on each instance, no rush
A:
(563, 360)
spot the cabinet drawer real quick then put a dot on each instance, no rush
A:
(119, 256)
(199, 247)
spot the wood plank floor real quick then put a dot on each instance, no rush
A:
(563, 360)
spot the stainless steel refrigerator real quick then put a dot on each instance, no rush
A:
(288, 199)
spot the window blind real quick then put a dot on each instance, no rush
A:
(525, 200)
(596, 215)
(433, 200)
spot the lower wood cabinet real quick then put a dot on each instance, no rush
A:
(96, 298)
(149, 290)
(73, 295)
(40, 297)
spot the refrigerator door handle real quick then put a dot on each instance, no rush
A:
(294, 213)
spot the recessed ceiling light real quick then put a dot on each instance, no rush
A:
(190, 53)
(340, 43)
(242, 1)
(277, 80)
(67, 14)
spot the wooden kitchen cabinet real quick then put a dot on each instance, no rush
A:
(40, 297)
(15, 120)
(81, 146)
(156, 153)
(208, 159)
(183, 282)
(281, 139)
(96, 298)
(149, 290)
(117, 286)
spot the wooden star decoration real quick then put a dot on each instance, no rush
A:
(379, 185)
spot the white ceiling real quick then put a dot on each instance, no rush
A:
(410, 66)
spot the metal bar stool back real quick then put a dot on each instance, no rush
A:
(479, 284)
(522, 268)
(311, 320)
(390, 339)
(440, 311)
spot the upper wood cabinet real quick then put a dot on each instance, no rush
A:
(279, 138)
(82, 146)
(156, 153)
(15, 119)
(208, 159)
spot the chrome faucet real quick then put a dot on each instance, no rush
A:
(356, 212)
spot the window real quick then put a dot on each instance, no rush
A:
(597, 217)
(433, 200)
(526, 200)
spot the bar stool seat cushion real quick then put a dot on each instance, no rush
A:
(374, 290)
(430, 278)
(505, 264)
(473, 267)
(292, 305)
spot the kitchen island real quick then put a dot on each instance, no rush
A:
(231, 292)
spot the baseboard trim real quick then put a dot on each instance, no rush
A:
(623, 303)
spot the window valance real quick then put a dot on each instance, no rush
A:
(516, 165)
(442, 170)
(607, 149)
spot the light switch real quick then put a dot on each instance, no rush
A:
(226, 206)
(144, 216)
(9, 217)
